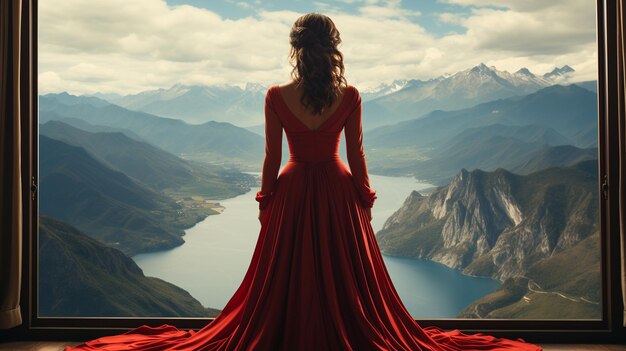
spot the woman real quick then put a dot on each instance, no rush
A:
(317, 280)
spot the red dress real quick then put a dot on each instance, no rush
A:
(317, 280)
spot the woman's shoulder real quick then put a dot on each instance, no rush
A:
(287, 86)
(276, 88)
(270, 96)
(353, 93)
(272, 89)
(351, 88)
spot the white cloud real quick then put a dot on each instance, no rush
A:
(451, 18)
(129, 46)
(144, 44)
(386, 12)
(517, 5)
(546, 32)
(244, 5)
(360, 1)
(387, 9)
(536, 34)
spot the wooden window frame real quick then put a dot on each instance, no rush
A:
(608, 329)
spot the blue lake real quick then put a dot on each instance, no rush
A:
(217, 251)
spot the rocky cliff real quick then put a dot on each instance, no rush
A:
(496, 223)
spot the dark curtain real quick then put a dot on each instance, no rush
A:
(621, 98)
(10, 168)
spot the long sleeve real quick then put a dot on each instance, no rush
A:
(356, 156)
(273, 149)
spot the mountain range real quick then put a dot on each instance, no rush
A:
(227, 144)
(151, 166)
(212, 142)
(198, 104)
(523, 75)
(463, 89)
(385, 104)
(431, 147)
(516, 133)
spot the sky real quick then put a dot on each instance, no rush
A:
(125, 47)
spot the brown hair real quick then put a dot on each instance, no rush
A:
(317, 63)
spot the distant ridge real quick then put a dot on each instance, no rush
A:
(463, 89)
(501, 133)
(395, 101)
(212, 142)
(198, 104)
(146, 163)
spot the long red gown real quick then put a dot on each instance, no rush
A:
(317, 280)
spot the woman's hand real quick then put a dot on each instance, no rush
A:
(369, 213)
(261, 215)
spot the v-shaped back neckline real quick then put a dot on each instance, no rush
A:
(332, 115)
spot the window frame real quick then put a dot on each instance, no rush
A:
(608, 329)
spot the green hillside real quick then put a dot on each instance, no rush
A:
(79, 277)
(109, 205)
(564, 286)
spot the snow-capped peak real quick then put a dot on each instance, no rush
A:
(384, 89)
(255, 88)
(559, 73)
(524, 72)
(482, 68)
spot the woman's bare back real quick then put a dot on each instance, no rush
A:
(291, 94)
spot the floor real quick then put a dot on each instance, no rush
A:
(58, 346)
